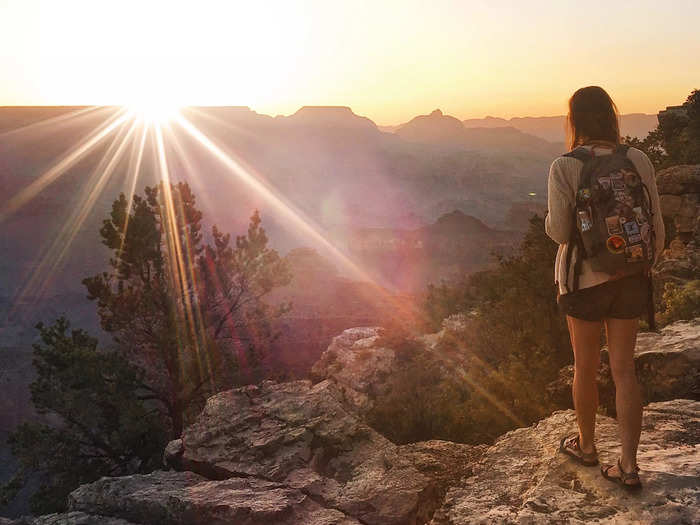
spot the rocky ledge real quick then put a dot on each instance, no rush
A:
(300, 453)
(287, 453)
(522, 479)
(290, 453)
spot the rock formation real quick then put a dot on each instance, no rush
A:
(679, 191)
(300, 453)
(357, 365)
(278, 469)
(280, 453)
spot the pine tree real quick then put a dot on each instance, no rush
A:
(101, 425)
(185, 312)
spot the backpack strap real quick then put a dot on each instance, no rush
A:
(622, 149)
(584, 155)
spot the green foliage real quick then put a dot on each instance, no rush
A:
(422, 402)
(233, 282)
(102, 425)
(514, 342)
(676, 139)
(186, 312)
(445, 299)
(399, 338)
(680, 303)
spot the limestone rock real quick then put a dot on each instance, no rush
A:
(670, 204)
(676, 270)
(667, 364)
(185, 498)
(357, 366)
(678, 180)
(522, 478)
(679, 191)
(360, 368)
(302, 437)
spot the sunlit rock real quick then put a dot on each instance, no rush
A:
(357, 365)
(522, 478)
(301, 436)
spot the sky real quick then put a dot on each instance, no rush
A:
(388, 60)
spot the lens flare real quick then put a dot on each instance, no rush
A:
(130, 129)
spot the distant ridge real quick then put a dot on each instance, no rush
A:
(440, 129)
(553, 128)
(436, 127)
(329, 116)
(458, 223)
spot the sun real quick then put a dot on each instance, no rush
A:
(153, 111)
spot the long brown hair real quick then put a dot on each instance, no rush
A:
(592, 117)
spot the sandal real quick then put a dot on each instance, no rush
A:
(624, 477)
(570, 445)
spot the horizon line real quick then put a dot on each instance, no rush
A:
(248, 108)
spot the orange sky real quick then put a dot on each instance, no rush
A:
(388, 60)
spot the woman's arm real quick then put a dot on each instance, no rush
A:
(560, 196)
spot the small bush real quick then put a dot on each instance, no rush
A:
(422, 402)
(680, 303)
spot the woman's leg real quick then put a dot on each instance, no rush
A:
(622, 338)
(585, 340)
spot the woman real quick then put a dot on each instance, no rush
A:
(599, 298)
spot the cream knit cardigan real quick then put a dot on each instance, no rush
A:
(562, 184)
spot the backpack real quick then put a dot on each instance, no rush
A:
(613, 227)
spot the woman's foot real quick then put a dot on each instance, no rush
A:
(571, 446)
(629, 480)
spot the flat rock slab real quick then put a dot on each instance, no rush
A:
(185, 498)
(523, 479)
(269, 431)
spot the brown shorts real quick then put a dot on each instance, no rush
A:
(624, 298)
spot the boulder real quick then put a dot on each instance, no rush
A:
(303, 437)
(667, 364)
(357, 366)
(522, 478)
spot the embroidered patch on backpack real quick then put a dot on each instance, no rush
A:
(616, 244)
